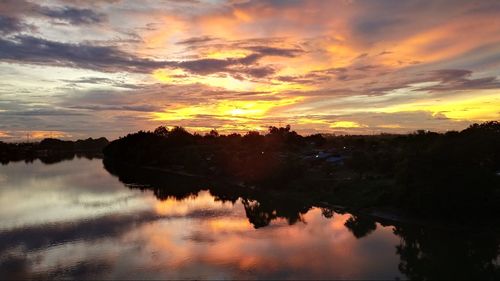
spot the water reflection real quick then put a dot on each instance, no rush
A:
(260, 208)
(51, 158)
(73, 219)
(428, 253)
(360, 226)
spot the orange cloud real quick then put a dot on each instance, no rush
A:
(4, 134)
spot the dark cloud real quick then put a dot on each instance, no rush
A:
(90, 80)
(446, 80)
(197, 40)
(387, 81)
(20, 9)
(89, 3)
(73, 15)
(459, 79)
(208, 66)
(246, 66)
(40, 112)
(139, 108)
(33, 50)
(447, 75)
(10, 25)
(101, 81)
(257, 72)
(342, 74)
(276, 4)
(280, 52)
(309, 78)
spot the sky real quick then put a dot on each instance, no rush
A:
(77, 69)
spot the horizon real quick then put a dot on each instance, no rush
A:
(265, 132)
(106, 68)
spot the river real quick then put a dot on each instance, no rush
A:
(78, 219)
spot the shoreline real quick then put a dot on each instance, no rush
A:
(385, 214)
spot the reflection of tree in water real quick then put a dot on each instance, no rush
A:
(257, 214)
(360, 226)
(327, 212)
(425, 253)
(261, 212)
(53, 157)
(260, 208)
(163, 185)
(428, 253)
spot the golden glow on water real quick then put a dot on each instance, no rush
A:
(174, 207)
(236, 244)
(230, 224)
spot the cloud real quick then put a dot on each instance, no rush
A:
(73, 15)
(340, 57)
(257, 72)
(41, 112)
(139, 108)
(197, 40)
(279, 52)
(246, 65)
(89, 3)
(458, 79)
(10, 25)
(34, 50)
(21, 9)
(101, 81)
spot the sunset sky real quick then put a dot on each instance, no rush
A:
(73, 69)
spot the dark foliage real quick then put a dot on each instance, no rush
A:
(50, 150)
(423, 172)
(253, 158)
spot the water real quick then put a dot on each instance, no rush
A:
(79, 219)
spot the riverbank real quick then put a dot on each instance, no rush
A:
(453, 175)
(51, 150)
(288, 204)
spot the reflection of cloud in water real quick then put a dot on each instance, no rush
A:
(309, 250)
(202, 201)
(70, 230)
(60, 192)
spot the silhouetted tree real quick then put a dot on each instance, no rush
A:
(161, 131)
